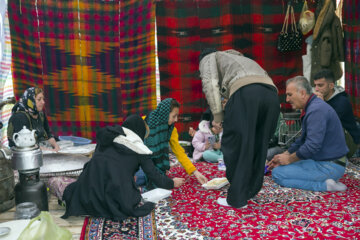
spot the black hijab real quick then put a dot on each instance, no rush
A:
(136, 124)
(105, 136)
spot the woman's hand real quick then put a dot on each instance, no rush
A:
(53, 143)
(46, 149)
(178, 182)
(201, 178)
(56, 147)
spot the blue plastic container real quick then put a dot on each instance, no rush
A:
(76, 140)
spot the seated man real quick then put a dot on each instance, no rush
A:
(337, 98)
(316, 160)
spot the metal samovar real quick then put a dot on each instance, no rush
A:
(27, 159)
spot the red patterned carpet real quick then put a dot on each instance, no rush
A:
(275, 213)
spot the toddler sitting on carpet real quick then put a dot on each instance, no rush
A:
(207, 142)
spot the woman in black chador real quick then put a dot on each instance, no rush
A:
(106, 187)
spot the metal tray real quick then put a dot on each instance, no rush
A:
(62, 163)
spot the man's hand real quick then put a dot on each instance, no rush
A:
(280, 159)
(201, 178)
(178, 182)
(319, 95)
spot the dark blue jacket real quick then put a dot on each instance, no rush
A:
(343, 108)
(322, 137)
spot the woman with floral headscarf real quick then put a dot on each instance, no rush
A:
(28, 112)
(162, 133)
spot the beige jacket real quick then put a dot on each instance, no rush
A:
(224, 72)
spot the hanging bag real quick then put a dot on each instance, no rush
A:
(307, 19)
(292, 40)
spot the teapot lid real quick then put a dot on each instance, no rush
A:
(24, 130)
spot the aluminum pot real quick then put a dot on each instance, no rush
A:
(26, 158)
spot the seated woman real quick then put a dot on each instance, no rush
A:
(207, 142)
(29, 112)
(106, 187)
(162, 133)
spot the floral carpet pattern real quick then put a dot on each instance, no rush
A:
(275, 213)
(131, 228)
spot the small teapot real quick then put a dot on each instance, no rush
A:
(24, 138)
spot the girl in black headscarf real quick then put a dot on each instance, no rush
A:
(106, 187)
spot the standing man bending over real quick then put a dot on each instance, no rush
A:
(316, 160)
(251, 113)
(336, 97)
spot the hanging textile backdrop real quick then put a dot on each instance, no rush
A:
(5, 51)
(351, 21)
(95, 60)
(6, 85)
(186, 27)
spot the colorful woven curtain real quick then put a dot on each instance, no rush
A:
(351, 21)
(5, 48)
(186, 27)
(95, 60)
(6, 86)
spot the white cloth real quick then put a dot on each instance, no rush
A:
(307, 59)
(133, 142)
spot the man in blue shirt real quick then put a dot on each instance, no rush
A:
(316, 160)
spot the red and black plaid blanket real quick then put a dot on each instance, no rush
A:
(186, 27)
(351, 21)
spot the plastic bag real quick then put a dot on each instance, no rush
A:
(304, 8)
(307, 19)
(43, 227)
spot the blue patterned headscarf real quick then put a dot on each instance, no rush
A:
(27, 102)
(160, 133)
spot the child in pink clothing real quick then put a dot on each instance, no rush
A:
(207, 143)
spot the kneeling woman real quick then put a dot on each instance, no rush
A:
(106, 187)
